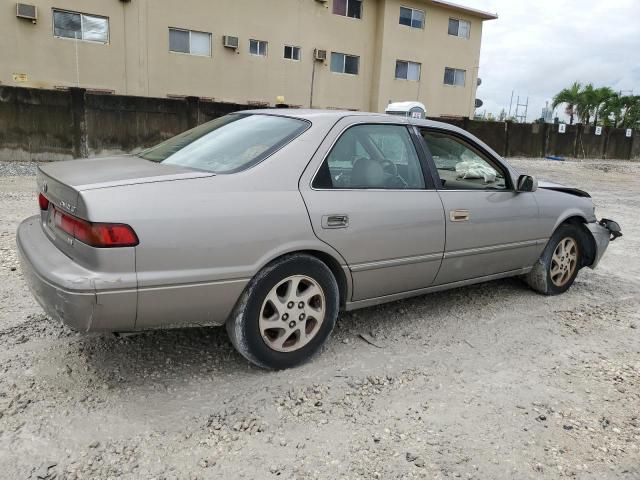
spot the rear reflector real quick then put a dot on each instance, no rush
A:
(100, 235)
(43, 201)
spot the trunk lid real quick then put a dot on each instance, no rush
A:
(89, 174)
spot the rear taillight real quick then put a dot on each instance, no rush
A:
(43, 202)
(100, 235)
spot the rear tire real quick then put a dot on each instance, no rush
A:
(557, 268)
(286, 313)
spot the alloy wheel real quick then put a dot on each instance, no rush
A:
(292, 313)
(564, 261)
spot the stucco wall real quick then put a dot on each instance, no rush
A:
(137, 61)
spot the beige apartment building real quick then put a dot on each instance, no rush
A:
(351, 54)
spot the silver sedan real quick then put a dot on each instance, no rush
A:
(271, 222)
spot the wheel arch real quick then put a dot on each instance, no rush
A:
(331, 259)
(587, 240)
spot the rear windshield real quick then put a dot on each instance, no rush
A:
(228, 144)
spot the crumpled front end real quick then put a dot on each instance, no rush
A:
(603, 232)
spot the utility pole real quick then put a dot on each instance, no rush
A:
(510, 103)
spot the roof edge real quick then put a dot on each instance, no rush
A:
(461, 8)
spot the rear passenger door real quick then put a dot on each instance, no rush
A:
(367, 197)
(491, 228)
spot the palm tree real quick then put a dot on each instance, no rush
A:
(570, 96)
(585, 102)
(600, 98)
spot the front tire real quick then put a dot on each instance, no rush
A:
(557, 268)
(286, 313)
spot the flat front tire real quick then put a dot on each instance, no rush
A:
(286, 312)
(557, 268)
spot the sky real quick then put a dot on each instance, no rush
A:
(537, 48)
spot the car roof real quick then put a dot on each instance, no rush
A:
(311, 114)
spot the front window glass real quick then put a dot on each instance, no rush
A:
(372, 157)
(228, 144)
(462, 167)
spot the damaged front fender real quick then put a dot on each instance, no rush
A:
(603, 232)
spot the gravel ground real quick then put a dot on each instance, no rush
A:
(486, 382)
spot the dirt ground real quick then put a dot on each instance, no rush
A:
(487, 382)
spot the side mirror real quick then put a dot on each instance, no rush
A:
(527, 183)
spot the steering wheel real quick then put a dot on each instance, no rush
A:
(394, 179)
(389, 167)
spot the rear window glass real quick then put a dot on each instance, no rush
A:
(228, 144)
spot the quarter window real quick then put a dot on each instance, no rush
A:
(461, 166)
(80, 26)
(258, 47)
(454, 76)
(343, 63)
(189, 41)
(411, 17)
(291, 53)
(348, 8)
(372, 157)
(408, 70)
(459, 28)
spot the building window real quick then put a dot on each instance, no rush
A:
(342, 63)
(291, 53)
(188, 41)
(408, 70)
(258, 47)
(80, 26)
(459, 28)
(454, 76)
(348, 8)
(411, 17)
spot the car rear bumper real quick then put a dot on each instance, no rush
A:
(603, 233)
(65, 290)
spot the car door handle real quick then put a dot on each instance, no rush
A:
(335, 221)
(459, 215)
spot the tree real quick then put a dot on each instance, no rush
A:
(571, 97)
(621, 111)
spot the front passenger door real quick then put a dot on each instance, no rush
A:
(491, 228)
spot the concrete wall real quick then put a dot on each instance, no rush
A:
(38, 124)
(136, 60)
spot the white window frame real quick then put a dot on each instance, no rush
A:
(62, 10)
(293, 48)
(190, 32)
(413, 10)
(459, 20)
(455, 74)
(346, 13)
(409, 62)
(260, 42)
(344, 64)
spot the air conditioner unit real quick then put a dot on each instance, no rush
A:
(230, 42)
(320, 55)
(322, 1)
(30, 12)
